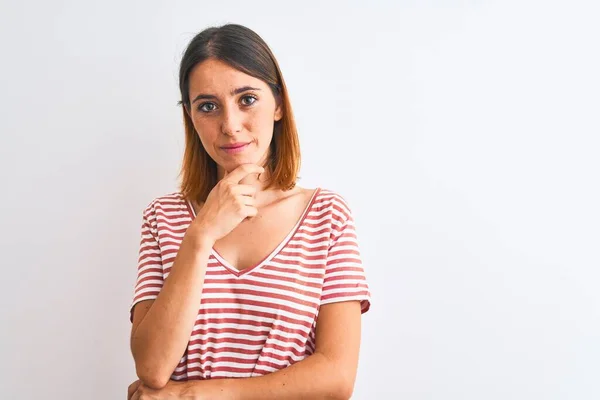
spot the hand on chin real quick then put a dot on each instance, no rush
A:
(247, 180)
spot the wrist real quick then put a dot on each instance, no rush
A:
(209, 389)
(224, 389)
(199, 237)
(189, 390)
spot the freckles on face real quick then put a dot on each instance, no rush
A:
(227, 107)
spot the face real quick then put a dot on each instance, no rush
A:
(233, 113)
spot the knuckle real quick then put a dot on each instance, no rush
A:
(239, 205)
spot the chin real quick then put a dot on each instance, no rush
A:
(230, 165)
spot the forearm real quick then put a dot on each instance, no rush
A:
(315, 377)
(160, 340)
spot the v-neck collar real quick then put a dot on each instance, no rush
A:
(225, 264)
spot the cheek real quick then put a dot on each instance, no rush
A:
(206, 132)
(204, 127)
(262, 123)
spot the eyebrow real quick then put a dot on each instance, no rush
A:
(233, 93)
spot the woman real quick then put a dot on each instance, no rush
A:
(243, 275)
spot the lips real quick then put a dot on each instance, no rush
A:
(234, 146)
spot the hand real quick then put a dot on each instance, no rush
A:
(228, 204)
(172, 391)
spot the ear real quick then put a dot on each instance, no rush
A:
(278, 113)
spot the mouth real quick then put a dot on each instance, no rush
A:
(235, 147)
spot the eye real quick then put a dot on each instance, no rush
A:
(249, 97)
(203, 107)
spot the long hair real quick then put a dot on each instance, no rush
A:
(246, 51)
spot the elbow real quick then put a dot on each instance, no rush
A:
(149, 371)
(344, 384)
(152, 378)
(345, 390)
(341, 386)
(156, 384)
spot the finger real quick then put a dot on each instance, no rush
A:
(243, 171)
(250, 211)
(249, 201)
(244, 190)
(132, 388)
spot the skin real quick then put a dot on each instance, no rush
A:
(229, 106)
(247, 116)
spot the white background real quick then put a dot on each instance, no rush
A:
(464, 135)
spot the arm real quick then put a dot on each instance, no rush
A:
(161, 327)
(327, 374)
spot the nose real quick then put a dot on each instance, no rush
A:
(232, 121)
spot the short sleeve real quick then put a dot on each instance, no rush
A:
(150, 277)
(344, 274)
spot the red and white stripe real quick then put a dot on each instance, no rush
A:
(261, 319)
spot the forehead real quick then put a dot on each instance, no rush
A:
(216, 77)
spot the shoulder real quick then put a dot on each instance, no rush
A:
(334, 202)
(169, 204)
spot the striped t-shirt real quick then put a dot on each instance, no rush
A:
(260, 319)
